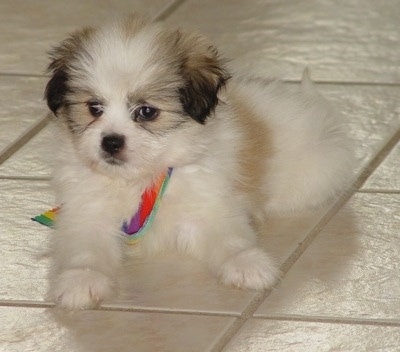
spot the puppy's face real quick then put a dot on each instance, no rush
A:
(133, 97)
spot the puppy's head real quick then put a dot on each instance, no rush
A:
(134, 95)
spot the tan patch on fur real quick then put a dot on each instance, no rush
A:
(67, 50)
(253, 154)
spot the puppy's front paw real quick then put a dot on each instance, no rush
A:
(81, 289)
(252, 269)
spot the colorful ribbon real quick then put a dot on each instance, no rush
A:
(140, 222)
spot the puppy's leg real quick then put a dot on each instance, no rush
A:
(227, 243)
(238, 262)
(86, 254)
(251, 268)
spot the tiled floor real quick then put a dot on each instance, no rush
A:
(341, 285)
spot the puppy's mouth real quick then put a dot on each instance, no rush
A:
(113, 159)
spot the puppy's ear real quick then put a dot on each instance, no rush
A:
(56, 89)
(204, 75)
(61, 57)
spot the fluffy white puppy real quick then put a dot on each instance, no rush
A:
(133, 99)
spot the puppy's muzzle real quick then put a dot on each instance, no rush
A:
(113, 144)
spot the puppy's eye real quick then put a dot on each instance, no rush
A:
(95, 108)
(146, 113)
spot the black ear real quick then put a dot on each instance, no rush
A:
(204, 75)
(61, 57)
(56, 89)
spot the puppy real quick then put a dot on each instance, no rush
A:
(133, 99)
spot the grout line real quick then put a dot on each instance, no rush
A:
(332, 320)
(377, 160)
(22, 140)
(164, 13)
(25, 304)
(379, 191)
(247, 313)
(118, 308)
(26, 178)
(347, 83)
(314, 232)
(13, 74)
(360, 179)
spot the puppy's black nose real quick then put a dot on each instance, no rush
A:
(113, 143)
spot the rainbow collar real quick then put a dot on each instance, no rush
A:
(144, 217)
(140, 222)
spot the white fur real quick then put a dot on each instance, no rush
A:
(202, 214)
(312, 160)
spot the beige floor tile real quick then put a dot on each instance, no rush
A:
(165, 282)
(290, 336)
(44, 330)
(29, 29)
(21, 101)
(170, 282)
(346, 41)
(370, 113)
(387, 176)
(23, 264)
(281, 235)
(35, 159)
(350, 270)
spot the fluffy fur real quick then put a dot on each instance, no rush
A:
(134, 98)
